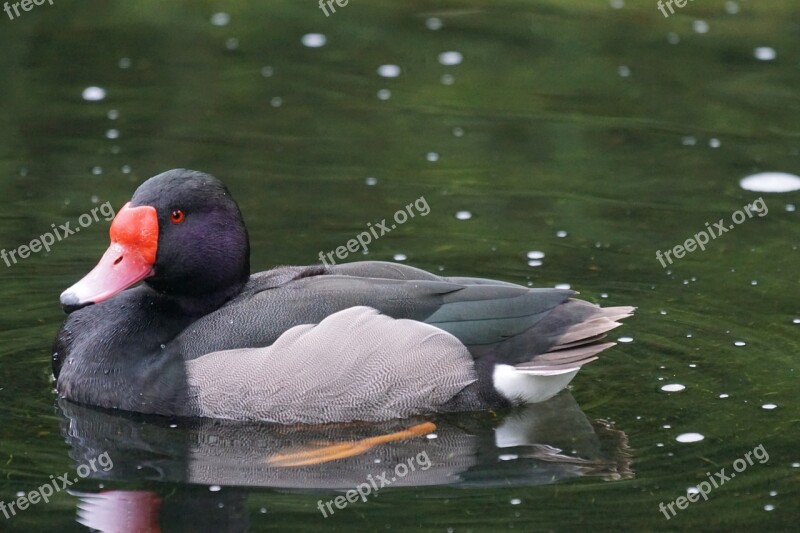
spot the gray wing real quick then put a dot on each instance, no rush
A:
(354, 365)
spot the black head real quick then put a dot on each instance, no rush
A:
(183, 234)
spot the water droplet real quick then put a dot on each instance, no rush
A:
(384, 94)
(535, 254)
(214, 488)
(371, 181)
(561, 234)
(112, 134)
(458, 132)
(433, 23)
(447, 79)
(625, 339)
(388, 71)
(126, 169)
(565, 286)
(770, 182)
(232, 43)
(314, 40)
(534, 263)
(754, 282)
(673, 38)
(400, 257)
(603, 295)
(765, 53)
(769, 406)
(508, 456)
(796, 321)
(673, 387)
(432, 157)
(97, 170)
(723, 395)
(276, 101)
(731, 7)
(93, 94)
(662, 312)
(623, 71)
(773, 493)
(112, 114)
(616, 4)
(450, 58)
(515, 501)
(700, 26)
(689, 437)
(263, 510)
(124, 63)
(740, 343)
(463, 215)
(173, 426)
(220, 19)
(769, 507)
(267, 71)
(431, 436)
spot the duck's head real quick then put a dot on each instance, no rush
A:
(182, 233)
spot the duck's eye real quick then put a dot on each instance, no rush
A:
(177, 216)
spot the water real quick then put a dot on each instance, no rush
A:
(520, 115)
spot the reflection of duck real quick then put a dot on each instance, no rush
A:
(539, 444)
(359, 341)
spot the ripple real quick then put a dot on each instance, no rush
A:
(93, 94)
(389, 71)
(314, 40)
(770, 182)
(689, 437)
(673, 387)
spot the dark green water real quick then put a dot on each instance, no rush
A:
(626, 130)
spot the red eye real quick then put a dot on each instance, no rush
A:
(177, 216)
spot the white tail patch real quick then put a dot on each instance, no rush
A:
(530, 386)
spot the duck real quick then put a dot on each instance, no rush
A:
(172, 322)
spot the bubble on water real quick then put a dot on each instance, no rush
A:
(450, 58)
(447, 79)
(126, 169)
(623, 71)
(662, 312)
(740, 343)
(93, 94)
(731, 7)
(773, 493)
(689, 437)
(561, 234)
(723, 395)
(432, 157)
(112, 114)
(700, 26)
(770, 182)
(535, 254)
(534, 263)
(625, 339)
(263, 510)
(433, 23)
(765, 53)
(565, 286)
(220, 19)
(267, 71)
(714, 143)
(112, 134)
(371, 181)
(458, 132)
(515, 501)
(791, 208)
(276, 101)
(314, 40)
(384, 94)
(399, 257)
(124, 63)
(463, 215)
(214, 488)
(673, 387)
(769, 406)
(754, 282)
(796, 321)
(603, 295)
(389, 71)
(769, 507)
(795, 465)
(97, 170)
